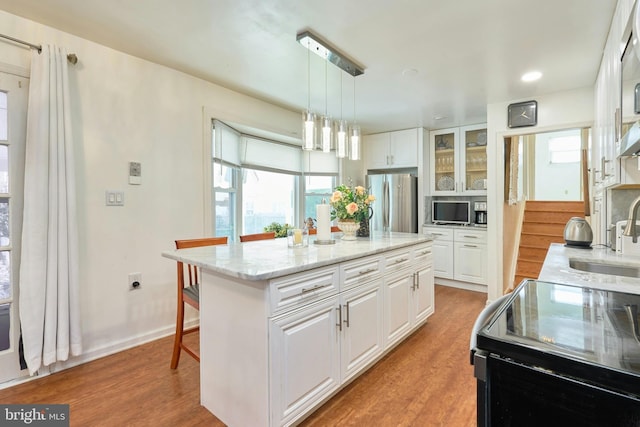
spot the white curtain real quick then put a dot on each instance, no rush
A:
(49, 288)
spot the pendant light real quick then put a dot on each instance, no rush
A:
(341, 131)
(327, 124)
(354, 133)
(308, 117)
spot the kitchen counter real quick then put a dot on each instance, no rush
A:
(556, 268)
(282, 329)
(268, 259)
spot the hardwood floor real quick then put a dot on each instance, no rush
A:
(425, 381)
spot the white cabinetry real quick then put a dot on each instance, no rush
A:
(442, 251)
(398, 149)
(459, 256)
(332, 323)
(459, 160)
(470, 254)
(305, 354)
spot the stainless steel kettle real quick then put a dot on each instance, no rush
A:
(578, 232)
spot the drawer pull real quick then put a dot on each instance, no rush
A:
(367, 271)
(470, 246)
(314, 288)
(425, 252)
(401, 260)
(471, 237)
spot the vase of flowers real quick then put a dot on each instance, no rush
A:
(350, 206)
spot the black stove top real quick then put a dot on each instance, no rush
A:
(584, 332)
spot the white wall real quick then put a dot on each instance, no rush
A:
(561, 110)
(124, 109)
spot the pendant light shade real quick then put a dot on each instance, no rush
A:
(341, 139)
(354, 143)
(308, 130)
(327, 134)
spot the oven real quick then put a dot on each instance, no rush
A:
(558, 355)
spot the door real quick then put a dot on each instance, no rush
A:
(13, 113)
(397, 303)
(361, 327)
(377, 185)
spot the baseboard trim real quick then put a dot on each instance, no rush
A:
(461, 285)
(100, 352)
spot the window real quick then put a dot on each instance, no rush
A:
(267, 197)
(316, 188)
(224, 200)
(564, 149)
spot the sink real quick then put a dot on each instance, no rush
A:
(604, 267)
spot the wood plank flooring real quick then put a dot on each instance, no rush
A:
(425, 381)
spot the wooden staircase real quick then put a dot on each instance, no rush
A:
(543, 224)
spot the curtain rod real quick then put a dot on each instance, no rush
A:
(72, 57)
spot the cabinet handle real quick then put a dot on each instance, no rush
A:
(414, 284)
(471, 237)
(437, 234)
(425, 252)
(339, 324)
(367, 271)
(347, 320)
(314, 288)
(401, 260)
(470, 246)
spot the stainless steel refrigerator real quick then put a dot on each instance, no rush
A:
(396, 205)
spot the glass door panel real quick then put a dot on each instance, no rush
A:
(475, 146)
(445, 162)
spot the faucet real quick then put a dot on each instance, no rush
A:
(630, 229)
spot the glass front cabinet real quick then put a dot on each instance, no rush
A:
(459, 160)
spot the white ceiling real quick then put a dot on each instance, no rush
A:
(422, 58)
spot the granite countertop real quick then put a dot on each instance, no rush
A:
(556, 268)
(267, 259)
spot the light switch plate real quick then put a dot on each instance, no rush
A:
(135, 173)
(114, 198)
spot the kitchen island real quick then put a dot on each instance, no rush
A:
(283, 329)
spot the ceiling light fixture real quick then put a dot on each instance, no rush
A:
(308, 117)
(347, 139)
(531, 76)
(354, 137)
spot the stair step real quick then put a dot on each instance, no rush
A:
(549, 229)
(555, 206)
(548, 217)
(538, 241)
(531, 253)
(528, 268)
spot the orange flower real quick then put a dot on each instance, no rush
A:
(352, 208)
(370, 199)
(359, 190)
(335, 197)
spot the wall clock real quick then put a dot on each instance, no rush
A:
(522, 114)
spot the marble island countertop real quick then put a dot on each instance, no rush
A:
(556, 268)
(267, 259)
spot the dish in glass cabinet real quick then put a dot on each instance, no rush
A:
(471, 144)
(482, 138)
(446, 183)
(478, 184)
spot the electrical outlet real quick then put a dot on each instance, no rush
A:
(135, 281)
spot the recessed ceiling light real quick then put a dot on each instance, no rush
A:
(531, 76)
(439, 117)
(409, 72)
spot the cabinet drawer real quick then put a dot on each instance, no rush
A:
(439, 233)
(470, 236)
(422, 255)
(296, 290)
(397, 260)
(360, 271)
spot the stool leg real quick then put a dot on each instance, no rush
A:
(179, 332)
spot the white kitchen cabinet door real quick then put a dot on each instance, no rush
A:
(473, 160)
(397, 306)
(403, 148)
(443, 259)
(423, 294)
(389, 150)
(376, 148)
(362, 339)
(304, 358)
(444, 145)
(470, 262)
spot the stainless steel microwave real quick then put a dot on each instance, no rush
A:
(451, 212)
